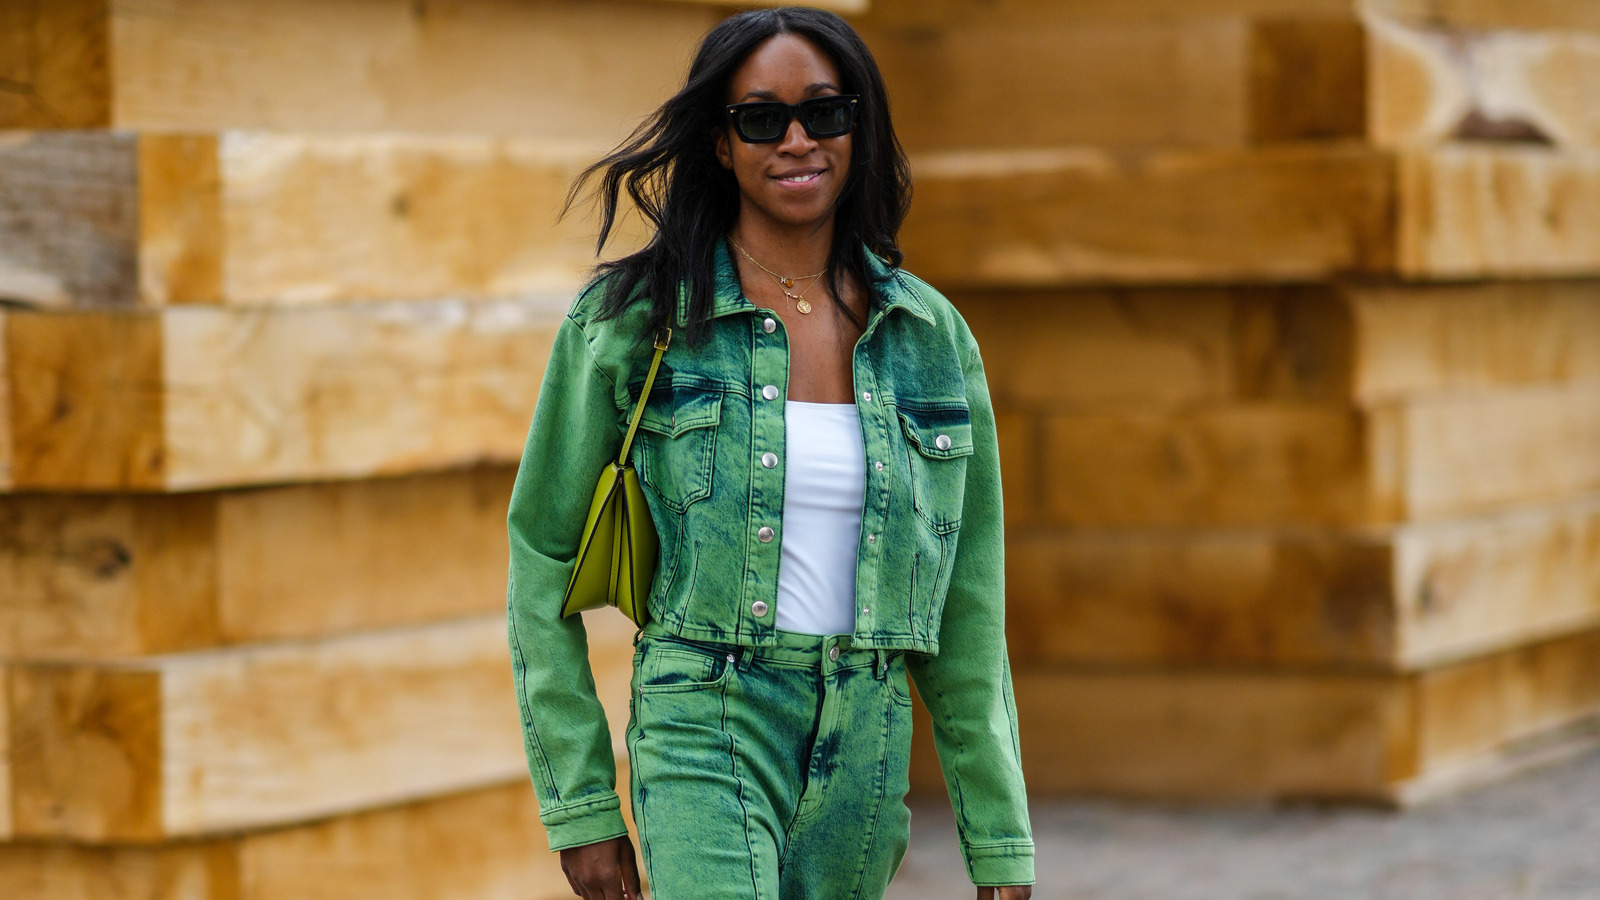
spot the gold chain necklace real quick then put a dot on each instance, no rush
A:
(784, 281)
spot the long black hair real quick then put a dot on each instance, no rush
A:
(670, 170)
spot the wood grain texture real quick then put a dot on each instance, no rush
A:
(1286, 213)
(202, 397)
(1473, 212)
(1247, 735)
(565, 70)
(265, 735)
(1479, 14)
(100, 219)
(1305, 464)
(1030, 219)
(1399, 599)
(107, 576)
(485, 844)
(5, 755)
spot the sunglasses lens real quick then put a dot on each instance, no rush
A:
(829, 118)
(762, 123)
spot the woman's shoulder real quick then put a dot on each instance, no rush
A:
(941, 312)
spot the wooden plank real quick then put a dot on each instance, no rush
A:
(1284, 213)
(1478, 14)
(1060, 217)
(1309, 464)
(1140, 82)
(117, 219)
(1216, 734)
(129, 575)
(69, 223)
(1432, 85)
(1400, 599)
(485, 844)
(195, 397)
(1413, 340)
(5, 755)
(1474, 212)
(263, 735)
(569, 71)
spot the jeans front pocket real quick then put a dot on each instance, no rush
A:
(676, 442)
(666, 667)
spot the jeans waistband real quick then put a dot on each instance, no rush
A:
(791, 647)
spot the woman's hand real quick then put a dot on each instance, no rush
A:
(602, 871)
(1006, 892)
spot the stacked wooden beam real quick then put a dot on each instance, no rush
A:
(1291, 313)
(280, 280)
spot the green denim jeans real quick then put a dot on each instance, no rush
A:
(776, 773)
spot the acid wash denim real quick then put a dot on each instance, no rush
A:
(929, 571)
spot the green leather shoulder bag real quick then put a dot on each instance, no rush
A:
(617, 553)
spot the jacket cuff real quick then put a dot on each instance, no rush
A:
(992, 865)
(594, 819)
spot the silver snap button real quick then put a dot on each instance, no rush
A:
(833, 652)
(879, 465)
(867, 396)
(768, 325)
(872, 538)
(770, 392)
(769, 459)
(730, 657)
(764, 533)
(942, 442)
(759, 608)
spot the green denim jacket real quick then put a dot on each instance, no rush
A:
(929, 572)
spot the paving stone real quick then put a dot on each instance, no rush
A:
(1534, 836)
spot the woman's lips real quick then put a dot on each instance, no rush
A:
(799, 179)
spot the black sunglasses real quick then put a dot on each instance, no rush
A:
(766, 121)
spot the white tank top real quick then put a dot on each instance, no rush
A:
(823, 485)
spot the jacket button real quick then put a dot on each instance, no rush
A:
(764, 533)
(769, 459)
(768, 325)
(770, 392)
(867, 396)
(942, 442)
(879, 465)
(759, 608)
(833, 652)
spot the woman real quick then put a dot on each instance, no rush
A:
(819, 460)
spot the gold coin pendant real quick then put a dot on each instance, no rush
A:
(804, 306)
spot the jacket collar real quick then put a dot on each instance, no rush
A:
(889, 291)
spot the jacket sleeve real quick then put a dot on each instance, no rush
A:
(570, 756)
(967, 686)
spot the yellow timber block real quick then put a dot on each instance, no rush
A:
(1469, 14)
(1071, 216)
(484, 844)
(1396, 599)
(199, 397)
(566, 71)
(1231, 79)
(251, 737)
(1133, 348)
(271, 218)
(107, 576)
(1209, 734)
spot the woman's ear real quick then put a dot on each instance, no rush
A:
(724, 152)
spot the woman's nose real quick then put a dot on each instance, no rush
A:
(795, 140)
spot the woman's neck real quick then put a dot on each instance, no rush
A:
(787, 250)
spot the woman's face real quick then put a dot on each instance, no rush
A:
(796, 181)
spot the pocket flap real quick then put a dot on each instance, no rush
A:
(674, 409)
(939, 432)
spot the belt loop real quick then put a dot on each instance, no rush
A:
(746, 654)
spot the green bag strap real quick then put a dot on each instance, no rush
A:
(660, 344)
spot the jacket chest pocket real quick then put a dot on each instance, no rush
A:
(938, 442)
(677, 443)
